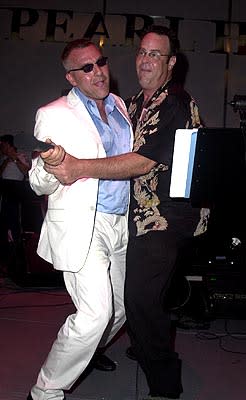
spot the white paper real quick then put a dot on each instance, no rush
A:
(183, 161)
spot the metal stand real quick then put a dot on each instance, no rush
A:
(239, 104)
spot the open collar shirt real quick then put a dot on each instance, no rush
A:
(113, 195)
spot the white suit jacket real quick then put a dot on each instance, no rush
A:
(68, 225)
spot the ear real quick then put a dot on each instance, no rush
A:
(71, 79)
(171, 62)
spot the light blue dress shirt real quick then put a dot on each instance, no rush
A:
(113, 195)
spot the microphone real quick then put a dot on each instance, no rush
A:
(30, 143)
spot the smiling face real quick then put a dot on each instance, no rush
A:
(153, 72)
(94, 84)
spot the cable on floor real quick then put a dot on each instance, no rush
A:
(221, 338)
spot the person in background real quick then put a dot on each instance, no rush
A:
(14, 166)
(158, 225)
(84, 233)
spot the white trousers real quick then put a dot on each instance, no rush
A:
(97, 292)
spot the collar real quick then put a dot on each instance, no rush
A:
(109, 101)
(157, 93)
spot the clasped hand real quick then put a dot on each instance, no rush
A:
(60, 164)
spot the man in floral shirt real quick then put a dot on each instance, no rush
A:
(155, 124)
(157, 224)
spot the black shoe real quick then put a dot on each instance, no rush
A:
(130, 354)
(103, 363)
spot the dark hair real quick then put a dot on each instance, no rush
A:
(75, 44)
(7, 139)
(164, 31)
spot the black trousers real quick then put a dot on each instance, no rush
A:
(150, 265)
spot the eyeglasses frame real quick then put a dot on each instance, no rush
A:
(91, 65)
(147, 53)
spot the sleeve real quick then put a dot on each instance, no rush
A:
(41, 181)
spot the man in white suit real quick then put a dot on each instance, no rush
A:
(84, 232)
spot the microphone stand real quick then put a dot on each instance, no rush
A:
(239, 104)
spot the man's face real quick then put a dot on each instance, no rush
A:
(153, 65)
(94, 84)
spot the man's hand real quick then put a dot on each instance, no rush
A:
(53, 157)
(66, 171)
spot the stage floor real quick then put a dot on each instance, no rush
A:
(214, 359)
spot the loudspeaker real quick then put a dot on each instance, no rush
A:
(27, 268)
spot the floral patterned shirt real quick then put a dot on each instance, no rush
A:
(154, 126)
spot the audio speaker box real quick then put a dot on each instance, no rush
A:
(27, 268)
